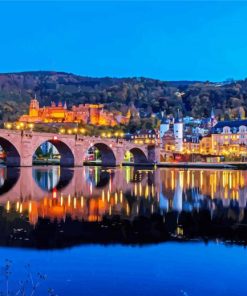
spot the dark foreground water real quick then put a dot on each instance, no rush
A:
(97, 231)
(163, 269)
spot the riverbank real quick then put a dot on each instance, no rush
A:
(46, 162)
(199, 165)
(204, 165)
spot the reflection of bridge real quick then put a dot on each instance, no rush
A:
(20, 147)
(103, 190)
(23, 183)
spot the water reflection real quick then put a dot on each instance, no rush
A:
(50, 205)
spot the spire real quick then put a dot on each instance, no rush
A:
(177, 118)
(65, 106)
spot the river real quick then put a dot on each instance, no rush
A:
(125, 231)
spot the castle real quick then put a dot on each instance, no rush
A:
(83, 113)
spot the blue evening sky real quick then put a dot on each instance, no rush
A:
(165, 40)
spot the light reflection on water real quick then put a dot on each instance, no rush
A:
(131, 205)
(89, 193)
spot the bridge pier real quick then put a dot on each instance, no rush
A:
(153, 154)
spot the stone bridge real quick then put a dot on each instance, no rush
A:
(20, 147)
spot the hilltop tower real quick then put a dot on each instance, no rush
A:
(34, 107)
(178, 133)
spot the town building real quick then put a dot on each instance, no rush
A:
(229, 138)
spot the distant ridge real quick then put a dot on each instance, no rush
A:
(193, 98)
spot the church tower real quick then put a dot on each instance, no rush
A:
(34, 107)
(178, 133)
(213, 120)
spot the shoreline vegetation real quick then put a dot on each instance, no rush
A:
(27, 286)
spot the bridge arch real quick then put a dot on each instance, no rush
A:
(12, 154)
(138, 155)
(66, 153)
(108, 157)
(9, 178)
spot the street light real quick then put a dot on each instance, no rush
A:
(31, 126)
(8, 125)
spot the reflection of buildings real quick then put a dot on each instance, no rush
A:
(93, 192)
(88, 113)
(47, 179)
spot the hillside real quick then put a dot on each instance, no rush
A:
(149, 95)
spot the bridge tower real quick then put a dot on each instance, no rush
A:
(164, 126)
(178, 133)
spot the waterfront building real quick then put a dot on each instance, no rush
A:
(230, 138)
(226, 138)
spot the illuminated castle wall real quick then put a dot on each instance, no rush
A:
(83, 113)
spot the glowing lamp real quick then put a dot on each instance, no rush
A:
(55, 138)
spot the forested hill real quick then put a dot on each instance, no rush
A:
(149, 95)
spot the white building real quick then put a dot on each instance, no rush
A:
(178, 133)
